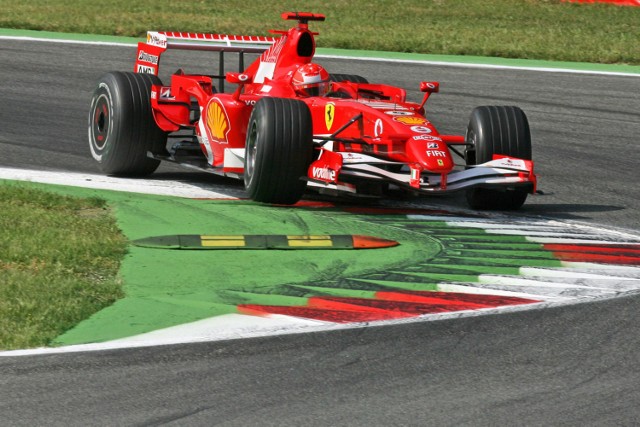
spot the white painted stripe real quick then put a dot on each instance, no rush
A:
(546, 231)
(453, 63)
(605, 268)
(571, 274)
(67, 41)
(224, 327)
(604, 240)
(446, 218)
(483, 66)
(542, 233)
(490, 279)
(474, 289)
(102, 182)
(521, 228)
(545, 293)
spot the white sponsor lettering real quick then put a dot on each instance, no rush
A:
(508, 163)
(146, 70)
(436, 153)
(378, 128)
(426, 138)
(155, 39)
(324, 174)
(420, 129)
(147, 57)
(399, 113)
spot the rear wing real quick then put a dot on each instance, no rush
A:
(149, 52)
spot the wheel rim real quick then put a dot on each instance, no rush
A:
(250, 152)
(101, 119)
(470, 152)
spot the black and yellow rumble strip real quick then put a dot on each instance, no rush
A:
(260, 241)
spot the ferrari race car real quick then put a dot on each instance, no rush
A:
(288, 125)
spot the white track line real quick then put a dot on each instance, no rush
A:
(369, 59)
(102, 182)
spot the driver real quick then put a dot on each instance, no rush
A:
(311, 80)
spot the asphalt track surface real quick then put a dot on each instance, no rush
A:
(572, 365)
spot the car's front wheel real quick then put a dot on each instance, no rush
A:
(278, 150)
(497, 130)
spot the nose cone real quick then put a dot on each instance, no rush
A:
(430, 152)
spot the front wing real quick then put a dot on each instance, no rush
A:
(331, 172)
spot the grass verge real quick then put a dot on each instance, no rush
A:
(59, 258)
(527, 29)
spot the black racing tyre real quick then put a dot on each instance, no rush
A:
(279, 150)
(121, 125)
(347, 78)
(497, 130)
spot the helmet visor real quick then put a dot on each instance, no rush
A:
(315, 89)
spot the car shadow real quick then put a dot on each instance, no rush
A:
(234, 188)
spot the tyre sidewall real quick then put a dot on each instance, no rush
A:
(278, 150)
(497, 130)
(121, 126)
(101, 137)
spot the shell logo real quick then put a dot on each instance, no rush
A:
(217, 121)
(410, 120)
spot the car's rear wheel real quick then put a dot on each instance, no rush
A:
(278, 152)
(121, 125)
(497, 130)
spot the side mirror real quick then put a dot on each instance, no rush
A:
(238, 78)
(429, 87)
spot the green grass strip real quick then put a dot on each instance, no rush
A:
(59, 258)
(367, 54)
(544, 29)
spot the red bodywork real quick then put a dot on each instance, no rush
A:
(370, 132)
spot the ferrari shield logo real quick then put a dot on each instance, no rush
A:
(329, 113)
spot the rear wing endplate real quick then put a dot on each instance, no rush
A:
(149, 52)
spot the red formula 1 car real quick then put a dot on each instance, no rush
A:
(289, 125)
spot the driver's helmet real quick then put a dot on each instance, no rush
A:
(311, 80)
